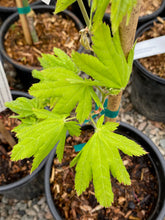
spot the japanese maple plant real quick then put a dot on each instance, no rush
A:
(63, 90)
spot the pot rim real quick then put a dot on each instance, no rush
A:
(14, 17)
(136, 63)
(146, 18)
(144, 138)
(154, 14)
(31, 176)
(13, 9)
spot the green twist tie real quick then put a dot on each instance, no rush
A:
(24, 10)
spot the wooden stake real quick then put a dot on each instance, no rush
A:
(127, 36)
(6, 134)
(114, 104)
(127, 32)
(24, 23)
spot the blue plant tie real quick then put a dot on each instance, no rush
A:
(111, 114)
(108, 113)
(79, 147)
(24, 10)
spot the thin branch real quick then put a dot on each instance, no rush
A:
(70, 119)
(84, 12)
(94, 124)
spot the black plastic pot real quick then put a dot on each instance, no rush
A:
(30, 186)
(25, 72)
(5, 12)
(154, 155)
(143, 19)
(76, 10)
(148, 90)
(146, 18)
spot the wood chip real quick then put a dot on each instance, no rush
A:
(86, 208)
(97, 208)
(52, 31)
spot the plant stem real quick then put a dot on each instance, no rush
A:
(6, 134)
(24, 23)
(127, 36)
(84, 12)
(30, 18)
(93, 122)
(69, 119)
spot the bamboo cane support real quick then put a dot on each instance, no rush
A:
(24, 23)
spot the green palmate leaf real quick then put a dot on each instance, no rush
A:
(72, 128)
(110, 68)
(61, 5)
(85, 105)
(100, 157)
(67, 89)
(37, 139)
(98, 8)
(54, 74)
(24, 104)
(120, 8)
(94, 67)
(59, 59)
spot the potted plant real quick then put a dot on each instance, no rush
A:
(129, 201)
(148, 78)
(16, 182)
(24, 54)
(7, 8)
(149, 11)
(62, 88)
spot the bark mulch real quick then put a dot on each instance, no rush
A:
(147, 7)
(11, 171)
(154, 64)
(11, 3)
(130, 202)
(52, 30)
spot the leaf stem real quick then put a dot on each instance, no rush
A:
(93, 122)
(84, 12)
(103, 94)
(69, 119)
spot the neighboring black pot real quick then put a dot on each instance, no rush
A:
(148, 90)
(30, 186)
(152, 16)
(5, 12)
(142, 19)
(155, 156)
(25, 72)
(76, 10)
